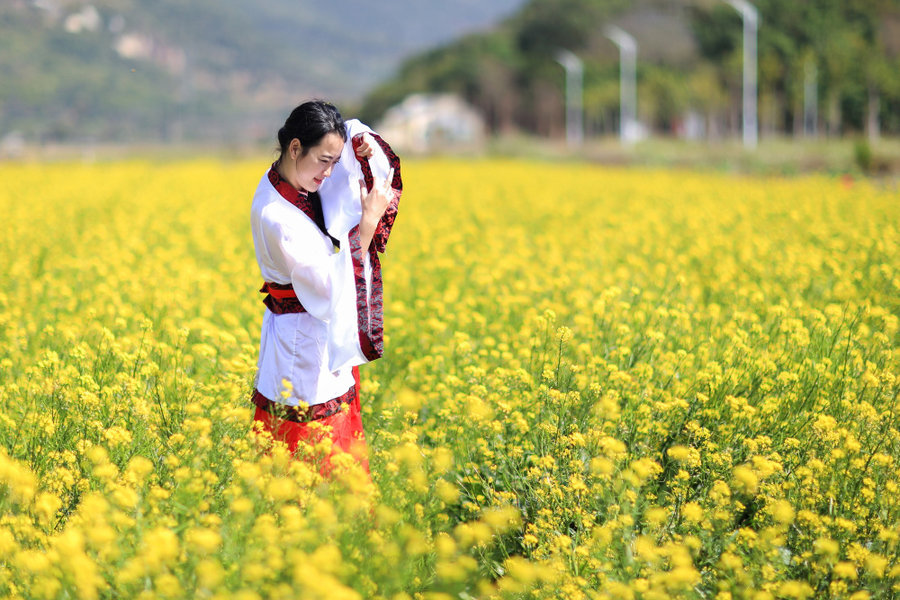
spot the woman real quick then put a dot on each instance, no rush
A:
(316, 246)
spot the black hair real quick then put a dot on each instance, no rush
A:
(309, 123)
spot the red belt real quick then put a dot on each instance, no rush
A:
(281, 298)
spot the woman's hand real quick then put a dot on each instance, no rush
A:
(365, 149)
(374, 203)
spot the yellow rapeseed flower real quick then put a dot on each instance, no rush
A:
(783, 512)
(692, 512)
(521, 370)
(745, 480)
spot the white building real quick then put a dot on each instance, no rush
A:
(433, 122)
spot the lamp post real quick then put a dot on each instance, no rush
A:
(750, 16)
(810, 98)
(574, 76)
(628, 130)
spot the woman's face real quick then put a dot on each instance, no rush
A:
(311, 169)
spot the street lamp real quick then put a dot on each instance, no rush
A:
(574, 76)
(810, 98)
(750, 17)
(628, 127)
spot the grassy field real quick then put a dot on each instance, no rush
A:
(773, 156)
(598, 383)
(848, 156)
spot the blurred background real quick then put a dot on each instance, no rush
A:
(646, 80)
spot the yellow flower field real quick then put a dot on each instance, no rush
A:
(598, 383)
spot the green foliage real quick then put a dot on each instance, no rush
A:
(862, 155)
(846, 42)
(717, 31)
(543, 27)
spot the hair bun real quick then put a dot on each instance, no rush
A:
(309, 123)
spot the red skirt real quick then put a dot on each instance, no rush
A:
(344, 428)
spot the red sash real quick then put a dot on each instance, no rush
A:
(281, 298)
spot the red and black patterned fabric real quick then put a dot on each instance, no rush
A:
(303, 415)
(370, 304)
(369, 314)
(387, 220)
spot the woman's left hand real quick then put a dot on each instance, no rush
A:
(373, 203)
(365, 149)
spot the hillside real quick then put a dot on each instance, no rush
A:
(208, 69)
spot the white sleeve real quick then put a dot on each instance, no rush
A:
(343, 332)
(316, 274)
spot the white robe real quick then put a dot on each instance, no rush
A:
(308, 356)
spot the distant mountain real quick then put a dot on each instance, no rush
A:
(210, 69)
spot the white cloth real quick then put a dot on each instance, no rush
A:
(342, 210)
(340, 192)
